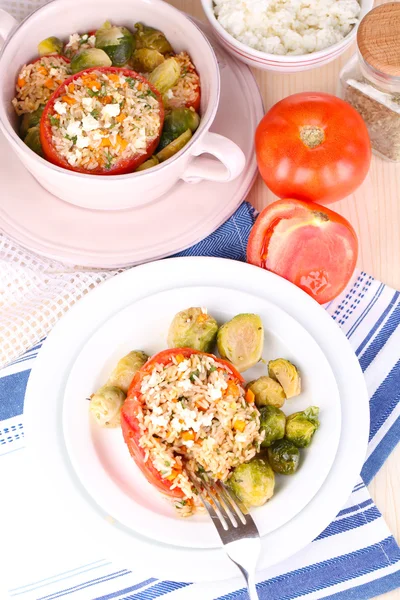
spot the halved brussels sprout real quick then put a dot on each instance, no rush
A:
(241, 341)
(51, 45)
(147, 37)
(253, 482)
(151, 162)
(32, 140)
(177, 122)
(88, 58)
(272, 423)
(174, 147)
(193, 328)
(146, 60)
(105, 406)
(284, 457)
(30, 120)
(117, 42)
(165, 75)
(267, 392)
(287, 374)
(126, 368)
(301, 426)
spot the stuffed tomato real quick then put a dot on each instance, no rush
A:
(102, 121)
(181, 407)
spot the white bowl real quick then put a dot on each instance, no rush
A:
(288, 63)
(63, 17)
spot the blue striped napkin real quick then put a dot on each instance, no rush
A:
(356, 557)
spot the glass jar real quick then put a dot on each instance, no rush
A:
(370, 81)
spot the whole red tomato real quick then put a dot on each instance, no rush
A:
(311, 246)
(313, 147)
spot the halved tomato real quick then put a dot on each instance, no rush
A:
(130, 424)
(311, 246)
(124, 165)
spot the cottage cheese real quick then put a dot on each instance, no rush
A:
(287, 26)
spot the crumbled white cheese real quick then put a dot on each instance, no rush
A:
(169, 93)
(74, 128)
(110, 110)
(184, 385)
(74, 39)
(183, 366)
(82, 141)
(204, 310)
(88, 103)
(89, 123)
(92, 40)
(60, 107)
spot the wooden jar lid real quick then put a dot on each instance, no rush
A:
(378, 38)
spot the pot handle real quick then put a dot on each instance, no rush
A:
(231, 160)
(7, 24)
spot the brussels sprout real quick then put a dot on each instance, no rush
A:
(88, 58)
(147, 37)
(267, 392)
(146, 60)
(126, 368)
(192, 328)
(241, 341)
(51, 45)
(287, 374)
(30, 120)
(253, 482)
(272, 422)
(177, 122)
(174, 147)
(32, 140)
(284, 457)
(117, 42)
(301, 426)
(105, 405)
(165, 75)
(152, 162)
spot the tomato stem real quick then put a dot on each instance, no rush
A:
(312, 136)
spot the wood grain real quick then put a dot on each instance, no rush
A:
(374, 211)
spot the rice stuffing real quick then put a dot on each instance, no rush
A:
(195, 416)
(77, 42)
(103, 118)
(37, 81)
(185, 91)
(288, 26)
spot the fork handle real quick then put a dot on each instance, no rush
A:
(250, 582)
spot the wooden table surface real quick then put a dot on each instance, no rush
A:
(374, 212)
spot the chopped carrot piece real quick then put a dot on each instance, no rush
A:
(105, 142)
(232, 390)
(202, 318)
(187, 436)
(120, 118)
(250, 396)
(106, 100)
(71, 87)
(113, 77)
(68, 100)
(91, 82)
(121, 142)
(49, 83)
(139, 85)
(179, 358)
(42, 70)
(239, 425)
(21, 82)
(173, 475)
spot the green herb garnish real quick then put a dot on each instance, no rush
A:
(71, 139)
(54, 121)
(195, 373)
(95, 113)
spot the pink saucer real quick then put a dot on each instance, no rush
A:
(47, 225)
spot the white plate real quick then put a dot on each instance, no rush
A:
(46, 388)
(187, 214)
(101, 458)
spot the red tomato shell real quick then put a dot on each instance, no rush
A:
(314, 147)
(308, 244)
(126, 165)
(130, 424)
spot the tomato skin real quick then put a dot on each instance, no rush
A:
(130, 424)
(307, 244)
(126, 165)
(326, 173)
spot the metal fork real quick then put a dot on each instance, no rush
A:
(235, 527)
